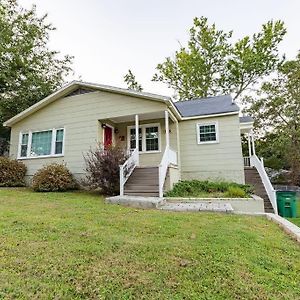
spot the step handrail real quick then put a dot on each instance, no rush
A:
(169, 157)
(127, 168)
(258, 164)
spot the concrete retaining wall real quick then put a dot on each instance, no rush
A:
(240, 205)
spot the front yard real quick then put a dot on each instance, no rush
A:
(73, 246)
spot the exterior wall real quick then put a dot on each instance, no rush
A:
(216, 161)
(80, 116)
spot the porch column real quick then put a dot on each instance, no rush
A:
(249, 144)
(253, 144)
(137, 132)
(167, 129)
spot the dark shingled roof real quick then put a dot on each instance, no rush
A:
(246, 119)
(206, 106)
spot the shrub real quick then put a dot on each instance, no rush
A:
(193, 188)
(235, 192)
(4, 146)
(102, 166)
(12, 172)
(53, 178)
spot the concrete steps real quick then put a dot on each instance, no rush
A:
(252, 178)
(143, 182)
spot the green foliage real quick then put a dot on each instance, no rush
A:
(212, 64)
(276, 110)
(103, 168)
(29, 70)
(131, 82)
(235, 192)
(4, 146)
(196, 188)
(53, 178)
(12, 172)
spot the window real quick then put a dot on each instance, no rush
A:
(149, 137)
(24, 145)
(42, 143)
(207, 133)
(132, 139)
(59, 141)
(152, 138)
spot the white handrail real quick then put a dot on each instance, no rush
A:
(127, 168)
(258, 164)
(169, 157)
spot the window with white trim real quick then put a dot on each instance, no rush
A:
(132, 139)
(59, 141)
(149, 138)
(24, 145)
(41, 143)
(207, 133)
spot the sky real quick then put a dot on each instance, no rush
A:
(108, 37)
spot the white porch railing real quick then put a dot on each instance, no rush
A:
(127, 168)
(169, 157)
(247, 161)
(258, 164)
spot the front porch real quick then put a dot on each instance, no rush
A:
(151, 154)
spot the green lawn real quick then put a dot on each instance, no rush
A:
(73, 246)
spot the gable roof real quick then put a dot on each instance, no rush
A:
(75, 85)
(207, 106)
(202, 107)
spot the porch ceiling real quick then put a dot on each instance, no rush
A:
(131, 118)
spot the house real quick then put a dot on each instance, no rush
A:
(194, 139)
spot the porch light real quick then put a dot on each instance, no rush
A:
(116, 131)
(103, 125)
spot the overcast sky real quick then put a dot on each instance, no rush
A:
(107, 37)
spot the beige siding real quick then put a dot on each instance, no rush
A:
(217, 161)
(80, 116)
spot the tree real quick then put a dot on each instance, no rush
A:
(276, 109)
(29, 70)
(211, 64)
(131, 82)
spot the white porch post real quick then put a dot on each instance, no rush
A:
(249, 144)
(253, 144)
(167, 129)
(137, 135)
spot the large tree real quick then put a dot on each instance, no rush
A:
(212, 64)
(29, 70)
(276, 110)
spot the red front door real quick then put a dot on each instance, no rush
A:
(107, 137)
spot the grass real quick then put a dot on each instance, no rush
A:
(73, 246)
(209, 189)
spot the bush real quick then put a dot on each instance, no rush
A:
(53, 178)
(4, 146)
(235, 192)
(103, 169)
(12, 172)
(194, 188)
